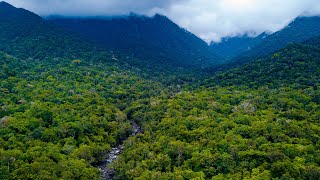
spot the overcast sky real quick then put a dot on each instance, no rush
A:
(209, 19)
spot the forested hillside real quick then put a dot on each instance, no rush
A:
(300, 30)
(297, 65)
(65, 103)
(259, 121)
(25, 35)
(156, 40)
(231, 47)
(61, 101)
(59, 120)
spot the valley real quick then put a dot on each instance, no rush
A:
(140, 97)
(108, 173)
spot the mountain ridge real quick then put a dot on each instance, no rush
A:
(243, 48)
(65, 105)
(154, 38)
(230, 47)
(299, 30)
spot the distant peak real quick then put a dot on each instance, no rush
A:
(134, 14)
(160, 16)
(163, 18)
(305, 18)
(9, 12)
(5, 4)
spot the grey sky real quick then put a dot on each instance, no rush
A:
(209, 19)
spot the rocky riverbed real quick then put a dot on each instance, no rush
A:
(106, 172)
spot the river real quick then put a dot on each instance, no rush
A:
(106, 172)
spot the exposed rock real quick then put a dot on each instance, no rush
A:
(3, 121)
(246, 107)
(108, 173)
(22, 101)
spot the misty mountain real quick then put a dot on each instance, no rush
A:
(231, 47)
(296, 65)
(10, 14)
(300, 30)
(154, 39)
(26, 35)
(72, 110)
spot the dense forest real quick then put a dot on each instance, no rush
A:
(156, 40)
(259, 121)
(65, 102)
(66, 115)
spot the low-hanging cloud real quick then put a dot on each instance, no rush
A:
(209, 19)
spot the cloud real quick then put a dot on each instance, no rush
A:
(209, 19)
(92, 7)
(212, 20)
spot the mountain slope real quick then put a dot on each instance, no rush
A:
(301, 29)
(155, 39)
(258, 121)
(234, 46)
(9, 13)
(59, 116)
(295, 65)
(26, 35)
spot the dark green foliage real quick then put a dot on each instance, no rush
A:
(61, 101)
(296, 66)
(156, 40)
(300, 30)
(226, 134)
(54, 116)
(259, 121)
(231, 47)
(62, 110)
(26, 35)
